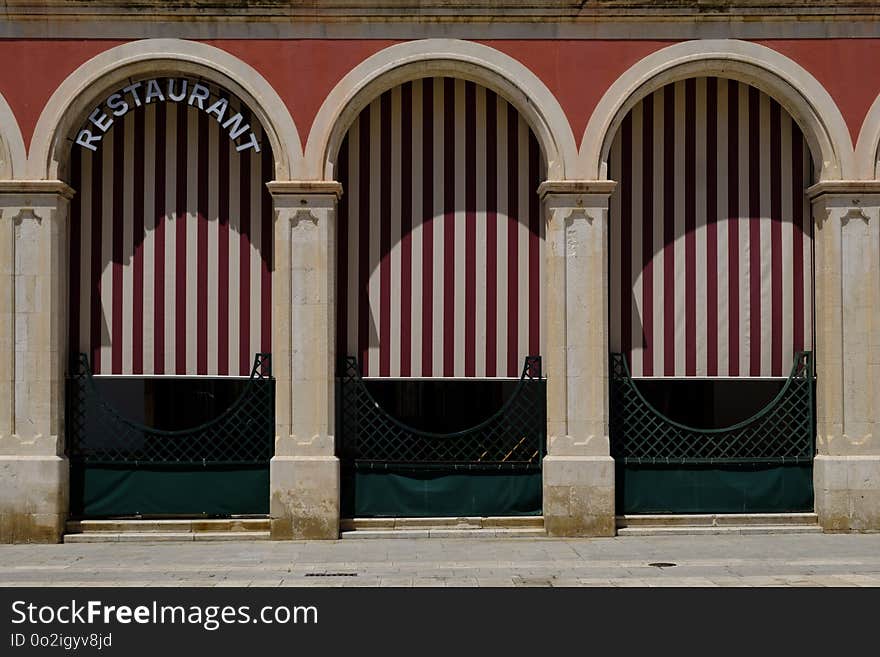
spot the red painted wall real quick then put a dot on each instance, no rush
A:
(303, 72)
(39, 67)
(848, 68)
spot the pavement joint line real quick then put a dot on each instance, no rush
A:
(550, 563)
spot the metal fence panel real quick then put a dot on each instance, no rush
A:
(97, 434)
(512, 438)
(781, 432)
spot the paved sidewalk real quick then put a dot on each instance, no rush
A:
(771, 560)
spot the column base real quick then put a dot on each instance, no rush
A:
(304, 497)
(34, 493)
(579, 496)
(847, 490)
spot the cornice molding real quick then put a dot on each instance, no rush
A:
(494, 10)
(602, 187)
(305, 187)
(37, 187)
(843, 187)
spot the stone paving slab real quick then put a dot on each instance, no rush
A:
(738, 560)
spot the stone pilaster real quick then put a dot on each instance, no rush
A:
(578, 470)
(304, 473)
(847, 343)
(33, 312)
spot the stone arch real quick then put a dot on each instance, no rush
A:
(103, 73)
(868, 146)
(808, 102)
(13, 156)
(441, 57)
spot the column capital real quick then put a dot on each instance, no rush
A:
(33, 193)
(576, 188)
(310, 199)
(39, 199)
(854, 192)
(305, 189)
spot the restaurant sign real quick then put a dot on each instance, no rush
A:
(162, 90)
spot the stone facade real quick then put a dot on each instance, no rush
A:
(578, 471)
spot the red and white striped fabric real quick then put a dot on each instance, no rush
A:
(711, 248)
(440, 238)
(170, 247)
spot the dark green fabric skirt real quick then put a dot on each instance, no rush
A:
(107, 490)
(731, 488)
(412, 493)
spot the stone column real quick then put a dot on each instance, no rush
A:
(847, 346)
(33, 323)
(578, 470)
(304, 473)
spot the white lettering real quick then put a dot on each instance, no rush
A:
(218, 109)
(118, 105)
(171, 94)
(153, 91)
(251, 144)
(237, 129)
(76, 616)
(199, 93)
(174, 612)
(16, 607)
(131, 88)
(100, 119)
(86, 138)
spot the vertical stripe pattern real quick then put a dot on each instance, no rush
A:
(711, 243)
(171, 246)
(440, 239)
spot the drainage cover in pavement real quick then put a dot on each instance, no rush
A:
(663, 564)
(331, 574)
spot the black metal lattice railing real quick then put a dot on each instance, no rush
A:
(781, 432)
(511, 438)
(97, 433)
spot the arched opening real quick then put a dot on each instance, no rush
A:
(170, 397)
(711, 302)
(69, 107)
(439, 261)
(422, 58)
(800, 94)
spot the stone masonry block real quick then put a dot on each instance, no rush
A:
(579, 496)
(33, 498)
(304, 497)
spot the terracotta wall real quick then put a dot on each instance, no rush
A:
(303, 72)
